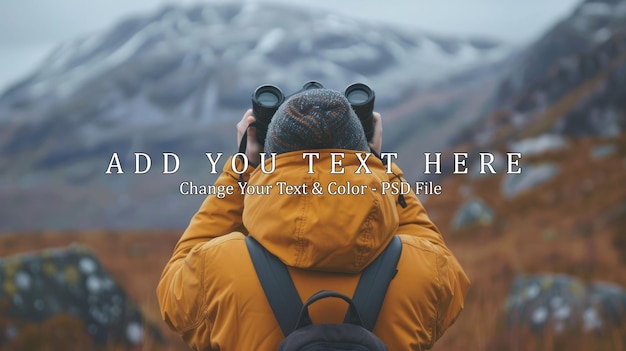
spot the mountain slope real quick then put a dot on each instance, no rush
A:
(562, 105)
(589, 26)
(177, 81)
(575, 92)
(182, 50)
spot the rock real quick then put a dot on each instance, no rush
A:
(472, 212)
(41, 286)
(602, 151)
(561, 303)
(608, 302)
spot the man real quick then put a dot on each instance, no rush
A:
(209, 292)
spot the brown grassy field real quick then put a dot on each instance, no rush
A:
(573, 224)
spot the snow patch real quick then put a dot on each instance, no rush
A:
(270, 41)
(602, 35)
(538, 145)
(134, 333)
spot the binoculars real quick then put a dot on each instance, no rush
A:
(266, 99)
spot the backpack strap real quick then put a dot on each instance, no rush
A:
(375, 279)
(279, 289)
(285, 301)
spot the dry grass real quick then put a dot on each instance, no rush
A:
(573, 224)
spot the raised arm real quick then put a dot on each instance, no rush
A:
(215, 218)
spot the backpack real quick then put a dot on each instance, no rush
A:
(355, 333)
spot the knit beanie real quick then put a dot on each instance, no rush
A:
(315, 119)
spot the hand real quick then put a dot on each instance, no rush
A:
(253, 147)
(376, 144)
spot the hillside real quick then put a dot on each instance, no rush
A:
(563, 226)
(562, 107)
(177, 80)
(573, 224)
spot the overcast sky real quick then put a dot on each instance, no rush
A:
(29, 29)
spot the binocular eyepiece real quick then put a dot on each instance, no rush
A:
(266, 99)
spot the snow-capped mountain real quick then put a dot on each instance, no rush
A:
(177, 80)
(202, 58)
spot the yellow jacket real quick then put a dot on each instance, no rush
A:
(209, 292)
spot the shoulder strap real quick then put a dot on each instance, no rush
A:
(375, 279)
(285, 301)
(279, 289)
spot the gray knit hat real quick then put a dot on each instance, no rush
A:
(315, 119)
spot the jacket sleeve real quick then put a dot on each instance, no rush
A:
(453, 281)
(179, 289)
(453, 285)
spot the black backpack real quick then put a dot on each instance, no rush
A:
(355, 333)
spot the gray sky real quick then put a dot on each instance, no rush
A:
(29, 29)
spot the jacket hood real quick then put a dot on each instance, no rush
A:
(308, 222)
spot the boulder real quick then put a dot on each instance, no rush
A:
(70, 282)
(472, 212)
(559, 303)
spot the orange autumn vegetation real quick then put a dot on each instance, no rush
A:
(574, 224)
